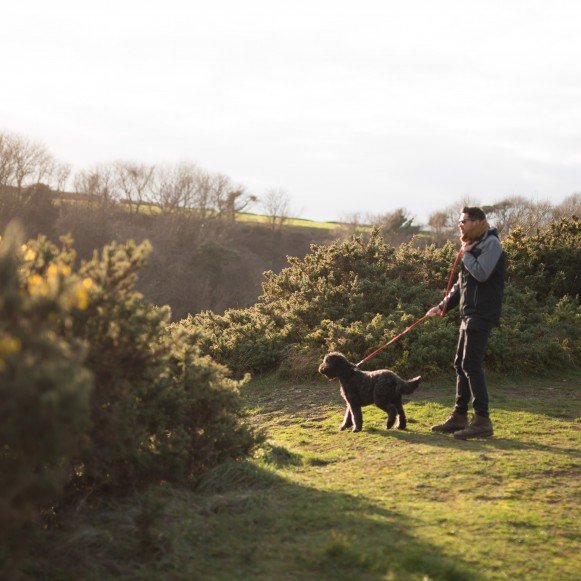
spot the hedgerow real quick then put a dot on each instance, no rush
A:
(357, 294)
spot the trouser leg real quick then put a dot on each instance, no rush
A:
(463, 392)
(474, 343)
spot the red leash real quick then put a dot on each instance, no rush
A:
(443, 312)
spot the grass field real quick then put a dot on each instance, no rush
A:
(321, 504)
(290, 222)
(249, 217)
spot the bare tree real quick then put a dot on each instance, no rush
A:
(228, 200)
(99, 183)
(204, 194)
(175, 187)
(570, 206)
(237, 201)
(6, 161)
(220, 187)
(442, 226)
(397, 226)
(276, 205)
(518, 211)
(32, 162)
(59, 176)
(134, 182)
(22, 161)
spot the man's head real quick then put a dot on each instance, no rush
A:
(472, 223)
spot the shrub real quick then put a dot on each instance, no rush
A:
(357, 294)
(44, 388)
(159, 410)
(98, 391)
(548, 263)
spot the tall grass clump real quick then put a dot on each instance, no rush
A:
(355, 295)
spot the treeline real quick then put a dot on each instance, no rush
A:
(202, 259)
(183, 186)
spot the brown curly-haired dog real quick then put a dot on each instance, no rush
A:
(360, 388)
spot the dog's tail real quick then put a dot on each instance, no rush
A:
(407, 387)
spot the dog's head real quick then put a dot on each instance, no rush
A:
(335, 364)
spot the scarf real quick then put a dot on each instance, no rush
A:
(480, 231)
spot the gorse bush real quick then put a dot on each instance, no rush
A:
(44, 387)
(549, 263)
(98, 391)
(355, 295)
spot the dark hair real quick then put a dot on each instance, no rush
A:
(474, 213)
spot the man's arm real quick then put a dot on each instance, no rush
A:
(452, 299)
(481, 267)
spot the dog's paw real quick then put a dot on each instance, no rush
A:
(343, 427)
(356, 429)
(402, 427)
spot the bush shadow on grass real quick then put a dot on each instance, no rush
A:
(299, 532)
(260, 527)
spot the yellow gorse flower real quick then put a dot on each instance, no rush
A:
(81, 294)
(37, 285)
(82, 298)
(9, 345)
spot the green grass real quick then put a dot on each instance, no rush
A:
(316, 503)
(154, 209)
(290, 222)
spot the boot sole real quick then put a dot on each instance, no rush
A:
(485, 434)
(447, 430)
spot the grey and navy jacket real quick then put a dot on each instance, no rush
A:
(480, 285)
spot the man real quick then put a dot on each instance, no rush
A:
(478, 293)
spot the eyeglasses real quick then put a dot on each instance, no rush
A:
(467, 220)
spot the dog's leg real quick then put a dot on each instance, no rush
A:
(402, 424)
(391, 416)
(357, 418)
(347, 420)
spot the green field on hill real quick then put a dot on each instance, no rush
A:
(316, 503)
(290, 222)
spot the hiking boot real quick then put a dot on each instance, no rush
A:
(455, 422)
(479, 427)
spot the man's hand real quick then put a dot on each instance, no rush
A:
(468, 246)
(434, 312)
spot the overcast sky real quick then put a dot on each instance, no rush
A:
(349, 106)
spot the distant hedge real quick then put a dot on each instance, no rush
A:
(98, 391)
(355, 295)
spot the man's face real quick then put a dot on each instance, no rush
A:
(467, 225)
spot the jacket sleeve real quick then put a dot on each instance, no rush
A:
(452, 299)
(482, 266)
